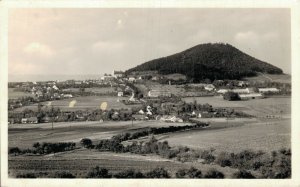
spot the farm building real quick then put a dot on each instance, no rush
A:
(29, 120)
(242, 83)
(108, 78)
(159, 93)
(118, 74)
(209, 87)
(243, 91)
(251, 96)
(222, 91)
(265, 90)
(168, 118)
(131, 79)
(67, 95)
(139, 117)
(120, 94)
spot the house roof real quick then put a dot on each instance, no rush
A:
(32, 119)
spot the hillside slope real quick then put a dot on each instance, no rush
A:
(213, 61)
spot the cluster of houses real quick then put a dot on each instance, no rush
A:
(249, 93)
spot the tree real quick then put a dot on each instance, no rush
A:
(231, 96)
(81, 89)
(243, 174)
(158, 173)
(86, 142)
(213, 173)
(14, 150)
(98, 172)
(36, 145)
(63, 174)
(130, 173)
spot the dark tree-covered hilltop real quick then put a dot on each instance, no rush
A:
(213, 61)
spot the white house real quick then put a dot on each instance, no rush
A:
(171, 119)
(251, 96)
(120, 94)
(67, 95)
(222, 91)
(209, 87)
(141, 112)
(108, 78)
(131, 79)
(243, 91)
(118, 74)
(265, 90)
(54, 87)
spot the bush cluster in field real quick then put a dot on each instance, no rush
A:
(44, 148)
(159, 172)
(274, 165)
(115, 143)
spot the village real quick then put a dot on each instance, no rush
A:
(145, 96)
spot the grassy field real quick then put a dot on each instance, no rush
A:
(16, 94)
(81, 161)
(277, 106)
(283, 78)
(94, 89)
(267, 135)
(82, 103)
(24, 135)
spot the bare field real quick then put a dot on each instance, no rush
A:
(82, 103)
(265, 135)
(80, 161)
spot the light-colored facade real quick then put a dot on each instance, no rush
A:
(251, 96)
(159, 93)
(265, 90)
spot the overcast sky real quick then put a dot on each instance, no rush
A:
(97, 41)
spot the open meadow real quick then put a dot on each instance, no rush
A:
(12, 94)
(103, 90)
(281, 78)
(82, 103)
(80, 161)
(277, 106)
(24, 135)
(266, 135)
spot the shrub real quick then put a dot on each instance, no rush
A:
(181, 173)
(194, 173)
(215, 174)
(158, 173)
(130, 173)
(98, 173)
(63, 174)
(231, 96)
(243, 174)
(14, 150)
(189, 173)
(207, 156)
(278, 167)
(36, 145)
(86, 142)
(223, 159)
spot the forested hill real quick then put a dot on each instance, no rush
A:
(213, 61)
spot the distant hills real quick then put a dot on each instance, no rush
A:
(212, 61)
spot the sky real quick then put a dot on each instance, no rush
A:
(98, 41)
